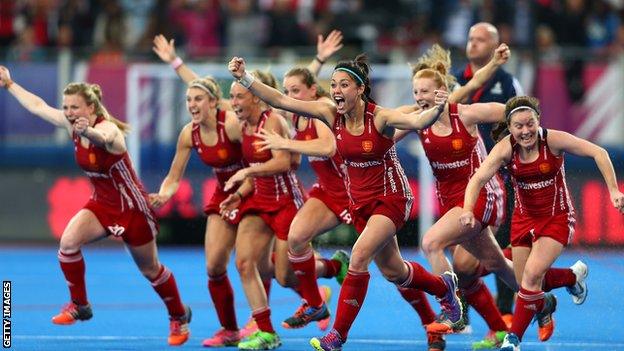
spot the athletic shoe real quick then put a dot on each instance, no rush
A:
(330, 342)
(179, 331)
(492, 340)
(325, 292)
(451, 304)
(343, 257)
(579, 290)
(260, 340)
(304, 315)
(250, 327)
(510, 343)
(71, 312)
(222, 338)
(435, 342)
(465, 328)
(545, 319)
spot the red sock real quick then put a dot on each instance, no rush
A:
(73, 267)
(332, 267)
(417, 299)
(222, 296)
(479, 296)
(527, 305)
(557, 278)
(263, 319)
(350, 300)
(165, 286)
(266, 283)
(420, 278)
(304, 266)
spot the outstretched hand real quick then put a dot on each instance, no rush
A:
(501, 54)
(270, 140)
(328, 46)
(164, 49)
(237, 67)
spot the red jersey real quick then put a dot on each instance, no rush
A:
(540, 185)
(372, 166)
(275, 188)
(115, 184)
(454, 158)
(327, 169)
(225, 157)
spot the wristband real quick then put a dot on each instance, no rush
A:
(176, 63)
(247, 80)
(319, 60)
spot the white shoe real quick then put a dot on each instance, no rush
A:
(510, 343)
(579, 290)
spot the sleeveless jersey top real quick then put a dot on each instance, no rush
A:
(225, 157)
(372, 166)
(115, 184)
(274, 188)
(540, 185)
(327, 169)
(454, 158)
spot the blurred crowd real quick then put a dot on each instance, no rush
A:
(114, 31)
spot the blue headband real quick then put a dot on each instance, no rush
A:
(351, 72)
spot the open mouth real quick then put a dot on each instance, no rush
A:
(340, 102)
(424, 105)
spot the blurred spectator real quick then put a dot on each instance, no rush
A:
(245, 30)
(137, 14)
(547, 49)
(200, 22)
(7, 16)
(284, 30)
(110, 32)
(461, 17)
(570, 31)
(76, 20)
(25, 48)
(602, 27)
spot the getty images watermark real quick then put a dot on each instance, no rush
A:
(6, 314)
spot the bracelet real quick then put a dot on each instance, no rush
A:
(319, 60)
(176, 63)
(8, 84)
(246, 80)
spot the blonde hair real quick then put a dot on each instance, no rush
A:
(265, 77)
(209, 85)
(435, 60)
(92, 94)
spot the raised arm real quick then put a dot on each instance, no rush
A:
(324, 145)
(498, 157)
(165, 49)
(325, 48)
(315, 109)
(486, 112)
(501, 55)
(33, 103)
(171, 182)
(416, 120)
(560, 141)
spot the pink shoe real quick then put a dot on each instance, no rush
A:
(223, 338)
(249, 328)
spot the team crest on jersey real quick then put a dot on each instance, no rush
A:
(367, 145)
(222, 154)
(92, 159)
(457, 144)
(544, 167)
(308, 137)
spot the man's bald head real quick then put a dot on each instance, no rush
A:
(483, 39)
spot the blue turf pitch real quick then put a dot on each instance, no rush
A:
(128, 315)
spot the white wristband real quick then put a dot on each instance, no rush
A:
(247, 80)
(176, 63)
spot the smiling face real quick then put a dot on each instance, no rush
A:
(75, 106)
(523, 126)
(199, 104)
(295, 88)
(345, 92)
(243, 101)
(424, 92)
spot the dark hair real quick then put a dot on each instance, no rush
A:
(308, 79)
(500, 130)
(358, 70)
